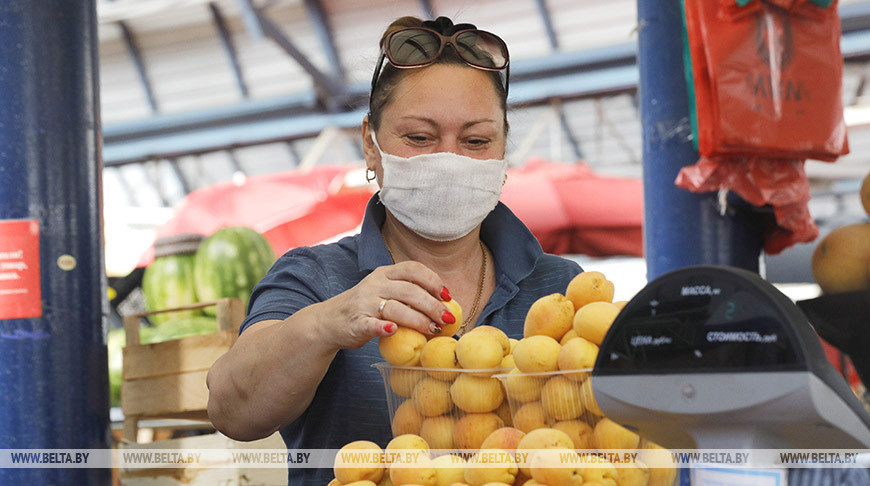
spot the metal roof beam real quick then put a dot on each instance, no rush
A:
(572, 140)
(324, 32)
(250, 18)
(594, 73)
(324, 83)
(548, 24)
(247, 110)
(230, 48)
(139, 63)
(234, 161)
(173, 164)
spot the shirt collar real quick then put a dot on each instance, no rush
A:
(514, 248)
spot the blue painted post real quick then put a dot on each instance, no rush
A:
(680, 228)
(53, 371)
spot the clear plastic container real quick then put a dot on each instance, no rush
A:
(452, 409)
(554, 399)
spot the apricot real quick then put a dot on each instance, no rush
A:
(523, 479)
(608, 434)
(589, 287)
(569, 335)
(593, 320)
(841, 261)
(544, 438)
(476, 394)
(420, 472)
(499, 336)
(403, 347)
(479, 351)
(504, 413)
(530, 416)
(662, 471)
(448, 330)
(599, 471)
(438, 432)
(553, 466)
(505, 438)
(522, 388)
(370, 469)
(536, 354)
(403, 381)
(577, 354)
(579, 431)
(406, 419)
(449, 469)
(440, 352)
(471, 430)
(432, 397)
(550, 315)
(561, 398)
(589, 398)
(490, 466)
(636, 474)
(865, 193)
(507, 362)
(405, 442)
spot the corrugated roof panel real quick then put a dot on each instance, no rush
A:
(357, 29)
(122, 96)
(180, 15)
(583, 24)
(269, 70)
(265, 159)
(188, 68)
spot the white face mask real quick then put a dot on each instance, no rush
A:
(440, 196)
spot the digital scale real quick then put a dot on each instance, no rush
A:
(713, 357)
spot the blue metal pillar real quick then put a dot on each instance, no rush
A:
(53, 371)
(680, 228)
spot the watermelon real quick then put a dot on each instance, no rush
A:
(168, 283)
(229, 263)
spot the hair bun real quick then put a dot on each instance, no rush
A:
(445, 26)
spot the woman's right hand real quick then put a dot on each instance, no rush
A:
(411, 294)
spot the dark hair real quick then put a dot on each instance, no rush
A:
(389, 78)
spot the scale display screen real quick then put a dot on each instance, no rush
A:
(701, 320)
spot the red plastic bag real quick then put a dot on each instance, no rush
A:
(767, 78)
(781, 183)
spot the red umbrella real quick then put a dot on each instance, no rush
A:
(571, 210)
(296, 208)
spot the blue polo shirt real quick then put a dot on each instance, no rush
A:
(350, 403)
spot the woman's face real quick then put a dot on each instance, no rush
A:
(440, 108)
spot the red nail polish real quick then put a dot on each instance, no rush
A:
(445, 294)
(389, 327)
(447, 317)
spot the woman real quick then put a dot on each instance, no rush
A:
(435, 140)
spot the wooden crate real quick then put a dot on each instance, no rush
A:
(167, 380)
(206, 476)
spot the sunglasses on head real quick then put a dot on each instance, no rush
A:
(420, 46)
